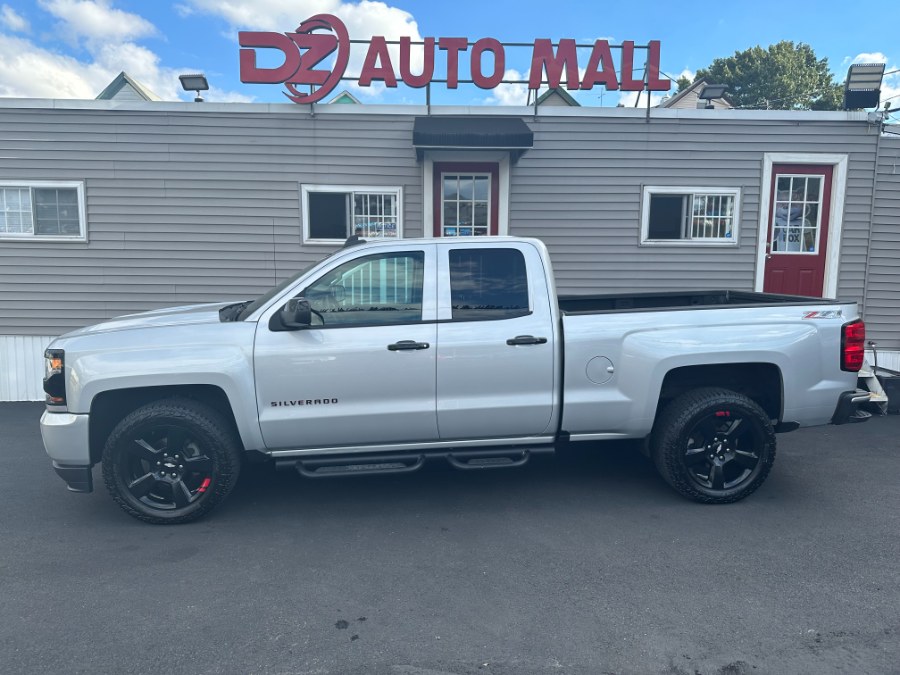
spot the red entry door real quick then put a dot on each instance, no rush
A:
(797, 243)
(466, 199)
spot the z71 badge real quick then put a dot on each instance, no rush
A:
(826, 314)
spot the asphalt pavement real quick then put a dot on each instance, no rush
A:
(586, 563)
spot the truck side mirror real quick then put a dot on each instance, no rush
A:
(296, 314)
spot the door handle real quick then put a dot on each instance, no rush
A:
(405, 345)
(526, 340)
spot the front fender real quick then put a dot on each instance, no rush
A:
(220, 355)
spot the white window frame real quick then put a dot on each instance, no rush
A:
(305, 189)
(32, 237)
(717, 242)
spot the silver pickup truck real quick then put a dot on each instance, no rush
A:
(388, 354)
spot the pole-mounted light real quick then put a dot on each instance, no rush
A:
(194, 82)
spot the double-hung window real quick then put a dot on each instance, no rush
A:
(684, 216)
(41, 210)
(333, 213)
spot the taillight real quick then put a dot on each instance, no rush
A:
(853, 346)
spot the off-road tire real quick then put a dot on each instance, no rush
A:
(205, 431)
(688, 421)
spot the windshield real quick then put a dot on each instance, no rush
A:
(268, 295)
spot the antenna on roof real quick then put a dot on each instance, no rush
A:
(353, 240)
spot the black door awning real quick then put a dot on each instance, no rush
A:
(474, 133)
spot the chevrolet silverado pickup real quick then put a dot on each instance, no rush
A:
(389, 354)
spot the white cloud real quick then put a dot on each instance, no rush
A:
(31, 70)
(14, 21)
(628, 98)
(216, 95)
(35, 72)
(183, 10)
(509, 94)
(869, 57)
(98, 20)
(363, 20)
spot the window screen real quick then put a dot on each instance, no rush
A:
(488, 284)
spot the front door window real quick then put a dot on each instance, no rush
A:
(798, 211)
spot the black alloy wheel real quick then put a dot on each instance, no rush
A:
(164, 467)
(713, 445)
(171, 461)
(723, 450)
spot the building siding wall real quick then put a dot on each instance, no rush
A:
(882, 309)
(189, 206)
(580, 189)
(181, 208)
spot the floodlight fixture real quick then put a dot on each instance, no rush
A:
(712, 91)
(709, 93)
(863, 86)
(194, 82)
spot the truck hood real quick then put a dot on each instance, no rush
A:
(170, 316)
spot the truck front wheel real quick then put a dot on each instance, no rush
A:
(713, 445)
(171, 461)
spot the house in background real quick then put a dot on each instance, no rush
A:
(126, 88)
(344, 98)
(689, 99)
(557, 96)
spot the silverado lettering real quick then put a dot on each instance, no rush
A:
(315, 401)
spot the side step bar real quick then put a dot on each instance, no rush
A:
(362, 464)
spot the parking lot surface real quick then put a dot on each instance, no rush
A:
(585, 563)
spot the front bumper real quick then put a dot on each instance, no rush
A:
(66, 440)
(849, 407)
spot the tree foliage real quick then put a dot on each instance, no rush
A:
(784, 76)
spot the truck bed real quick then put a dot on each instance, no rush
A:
(673, 300)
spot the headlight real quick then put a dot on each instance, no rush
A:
(54, 377)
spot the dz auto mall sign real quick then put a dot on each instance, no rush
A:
(306, 51)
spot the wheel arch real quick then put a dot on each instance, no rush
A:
(760, 381)
(109, 407)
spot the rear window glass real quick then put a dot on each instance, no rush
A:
(488, 284)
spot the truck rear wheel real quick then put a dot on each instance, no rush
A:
(713, 445)
(171, 461)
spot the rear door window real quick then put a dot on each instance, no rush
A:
(488, 284)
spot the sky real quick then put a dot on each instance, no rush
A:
(75, 48)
